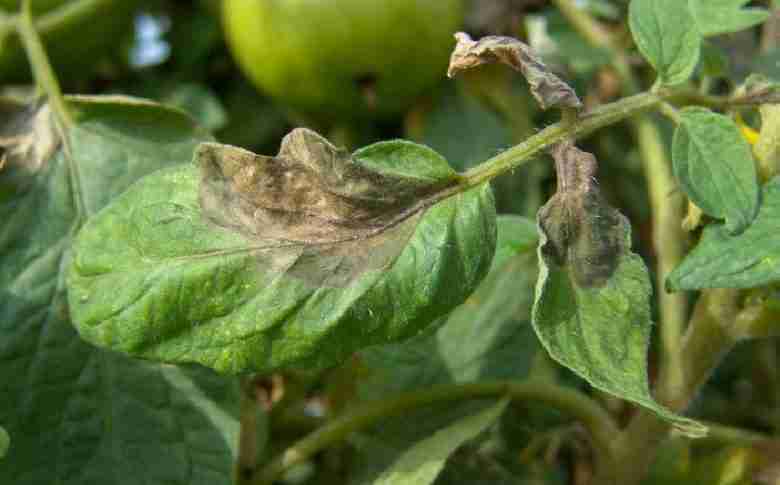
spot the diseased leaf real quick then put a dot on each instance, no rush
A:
(243, 262)
(5, 442)
(722, 260)
(421, 464)
(758, 89)
(715, 167)
(715, 17)
(666, 33)
(592, 310)
(78, 414)
(548, 89)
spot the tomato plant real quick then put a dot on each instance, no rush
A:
(567, 270)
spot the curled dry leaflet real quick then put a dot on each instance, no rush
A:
(548, 89)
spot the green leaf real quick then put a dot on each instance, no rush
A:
(592, 310)
(244, 262)
(715, 17)
(489, 337)
(422, 463)
(715, 167)
(722, 260)
(666, 33)
(5, 442)
(78, 414)
(200, 102)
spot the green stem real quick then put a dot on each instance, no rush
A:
(599, 117)
(669, 243)
(593, 417)
(247, 442)
(670, 112)
(723, 435)
(595, 34)
(41, 67)
(584, 24)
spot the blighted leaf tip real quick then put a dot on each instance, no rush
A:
(581, 229)
(547, 88)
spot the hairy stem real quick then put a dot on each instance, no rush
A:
(600, 425)
(588, 122)
(669, 243)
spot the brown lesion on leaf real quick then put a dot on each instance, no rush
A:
(28, 138)
(311, 211)
(583, 232)
(548, 89)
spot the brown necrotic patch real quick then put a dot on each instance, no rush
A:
(311, 211)
(583, 232)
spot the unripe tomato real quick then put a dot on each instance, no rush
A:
(343, 58)
(75, 33)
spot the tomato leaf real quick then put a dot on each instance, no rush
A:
(422, 463)
(78, 414)
(715, 17)
(666, 33)
(715, 167)
(592, 310)
(243, 262)
(747, 260)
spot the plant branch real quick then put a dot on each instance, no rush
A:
(595, 34)
(247, 443)
(47, 82)
(600, 425)
(669, 243)
(39, 62)
(720, 434)
(588, 122)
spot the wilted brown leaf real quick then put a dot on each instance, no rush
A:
(548, 89)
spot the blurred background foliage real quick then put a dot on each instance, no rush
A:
(174, 51)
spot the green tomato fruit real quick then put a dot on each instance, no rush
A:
(75, 33)
(343, 58)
